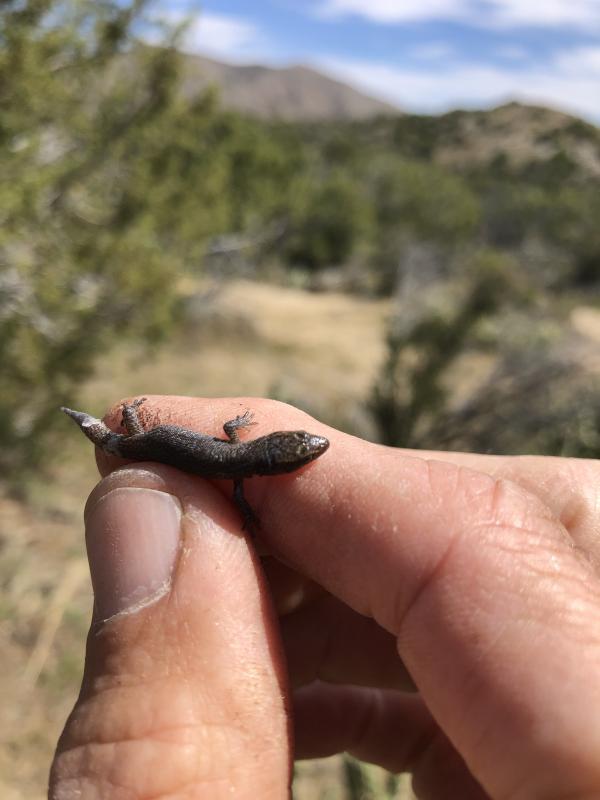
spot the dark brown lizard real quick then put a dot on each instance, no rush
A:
(204, 455)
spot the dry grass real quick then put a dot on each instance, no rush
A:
(43, 619)
(320, 351)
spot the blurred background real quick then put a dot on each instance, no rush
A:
(386, 213)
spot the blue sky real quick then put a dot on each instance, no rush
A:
(425, 56)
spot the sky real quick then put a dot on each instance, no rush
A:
(424, 56)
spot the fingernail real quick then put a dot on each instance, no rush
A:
(132, 538)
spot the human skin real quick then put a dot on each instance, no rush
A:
(473, 579)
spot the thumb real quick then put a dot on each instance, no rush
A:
(183, 694)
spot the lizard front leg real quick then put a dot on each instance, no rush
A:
(232, 426)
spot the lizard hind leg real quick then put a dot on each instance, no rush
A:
(251, 522)
(131, 419)
(232, 426)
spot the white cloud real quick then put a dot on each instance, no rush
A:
(571, 82)
(220, 34)
(388, 11)
(581, 60)
(512, 52)
(233, 38)
(583, 14)
(550, 13)
(432, 51)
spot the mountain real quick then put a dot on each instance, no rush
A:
(290, 93)
(515, 133)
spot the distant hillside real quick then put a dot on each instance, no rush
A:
(512, 137)
(291, 93)
(515, 134)
(519, 134)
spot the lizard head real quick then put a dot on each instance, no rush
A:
(289, 450)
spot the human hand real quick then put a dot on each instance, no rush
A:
(475, 578)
